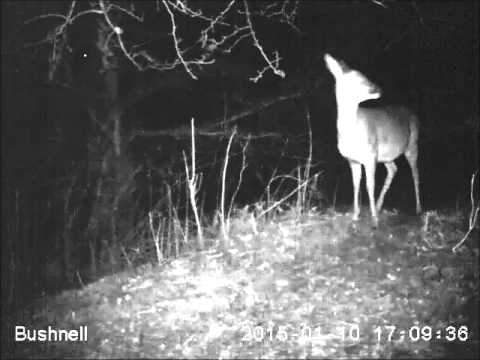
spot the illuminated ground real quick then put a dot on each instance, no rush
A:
(314, 286)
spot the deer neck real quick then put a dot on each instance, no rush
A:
(350, 134)
(347, 116)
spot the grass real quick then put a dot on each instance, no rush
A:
(344, 282)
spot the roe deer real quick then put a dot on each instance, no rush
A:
(367, 136)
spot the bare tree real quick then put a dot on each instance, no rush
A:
(221, 27)
(177, 40)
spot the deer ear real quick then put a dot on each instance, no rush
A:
(343, 65)
(333, 65)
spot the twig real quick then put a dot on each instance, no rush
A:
(473, 213)
(308, 165)
(271, 64)
(176, 41)
(222, 196)
(273, 206)
(156, 233)
(240, 178)
(193, 184)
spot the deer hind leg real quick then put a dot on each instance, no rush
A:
(391, 171)
(356, 177)
(370, 174)
(412, 155)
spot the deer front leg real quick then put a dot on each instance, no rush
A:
(356, 177)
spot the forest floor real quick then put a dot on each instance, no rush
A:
(293, 286)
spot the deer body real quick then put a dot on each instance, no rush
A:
(370, 134)
(367, 136)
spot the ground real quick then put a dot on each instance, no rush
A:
(313, 285)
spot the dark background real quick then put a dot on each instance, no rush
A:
(424, 54)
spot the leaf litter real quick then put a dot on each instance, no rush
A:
(315, 286)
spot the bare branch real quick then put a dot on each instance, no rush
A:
(176, 41)
(286, 13)
(44, 16)
(221, 32)
(380, 3)
(118, 31)
(272, 64)
(260, 106)
(204, 33)
(128, 12)
(85, 12)
(183, 132)
(183, 8)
